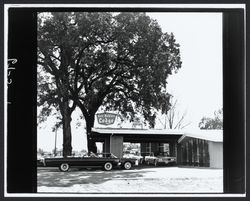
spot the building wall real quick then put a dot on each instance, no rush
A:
(143, 147)
(116, 145)
(216, 154)
(106, 145)
(193, 152)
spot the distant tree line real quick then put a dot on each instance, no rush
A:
(215, 122)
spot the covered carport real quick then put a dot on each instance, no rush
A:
(113, 138)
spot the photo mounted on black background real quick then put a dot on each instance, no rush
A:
(124, 100)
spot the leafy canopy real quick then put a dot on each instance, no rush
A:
(121, 61)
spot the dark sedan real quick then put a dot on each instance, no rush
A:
(106, 161)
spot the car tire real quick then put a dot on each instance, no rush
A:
(108, 166)
(64, 167)
(155, 163)
(127, 165)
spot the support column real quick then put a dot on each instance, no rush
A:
(116, 145)
(179, 155)
(172, 148)
(106, 145)
(143, 147)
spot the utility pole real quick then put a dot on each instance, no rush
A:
(55, 141)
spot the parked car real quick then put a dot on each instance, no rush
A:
(144, 154)
(138, 158)
(38, 161)
(105, 160)
(126, 162)
(160, 159)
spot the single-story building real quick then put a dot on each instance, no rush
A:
(201, 148)
(193, 148)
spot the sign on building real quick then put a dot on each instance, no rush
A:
(137, 122)
(106, 118)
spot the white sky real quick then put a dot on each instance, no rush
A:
(197, 85)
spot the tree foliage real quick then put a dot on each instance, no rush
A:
(215, 122)
(119, 61)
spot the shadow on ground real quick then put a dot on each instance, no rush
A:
(55, 178)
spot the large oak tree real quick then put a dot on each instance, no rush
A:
(117, 60)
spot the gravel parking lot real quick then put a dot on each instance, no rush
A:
(137, 180)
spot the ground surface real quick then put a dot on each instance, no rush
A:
(137, 180)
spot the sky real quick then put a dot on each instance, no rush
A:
(197, 85)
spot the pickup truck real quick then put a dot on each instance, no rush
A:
(104, 160)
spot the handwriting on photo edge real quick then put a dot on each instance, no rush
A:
(11, 67)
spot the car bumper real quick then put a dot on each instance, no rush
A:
(166, 162)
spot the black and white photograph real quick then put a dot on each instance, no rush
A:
(126, 101)
(122, 102)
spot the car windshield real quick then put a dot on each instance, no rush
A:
(163, 154)
(113, 156)
(92, 155)
(105, 155)
(145, 153)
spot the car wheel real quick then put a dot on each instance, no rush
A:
(64, 167)
(108, 166)
(127, 165)
(155, 162)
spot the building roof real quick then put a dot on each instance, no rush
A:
(125, 131)
(210, 135)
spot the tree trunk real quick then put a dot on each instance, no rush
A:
(67, 148)
(89, 125)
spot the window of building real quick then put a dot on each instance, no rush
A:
(148, 147)
(164, 148)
